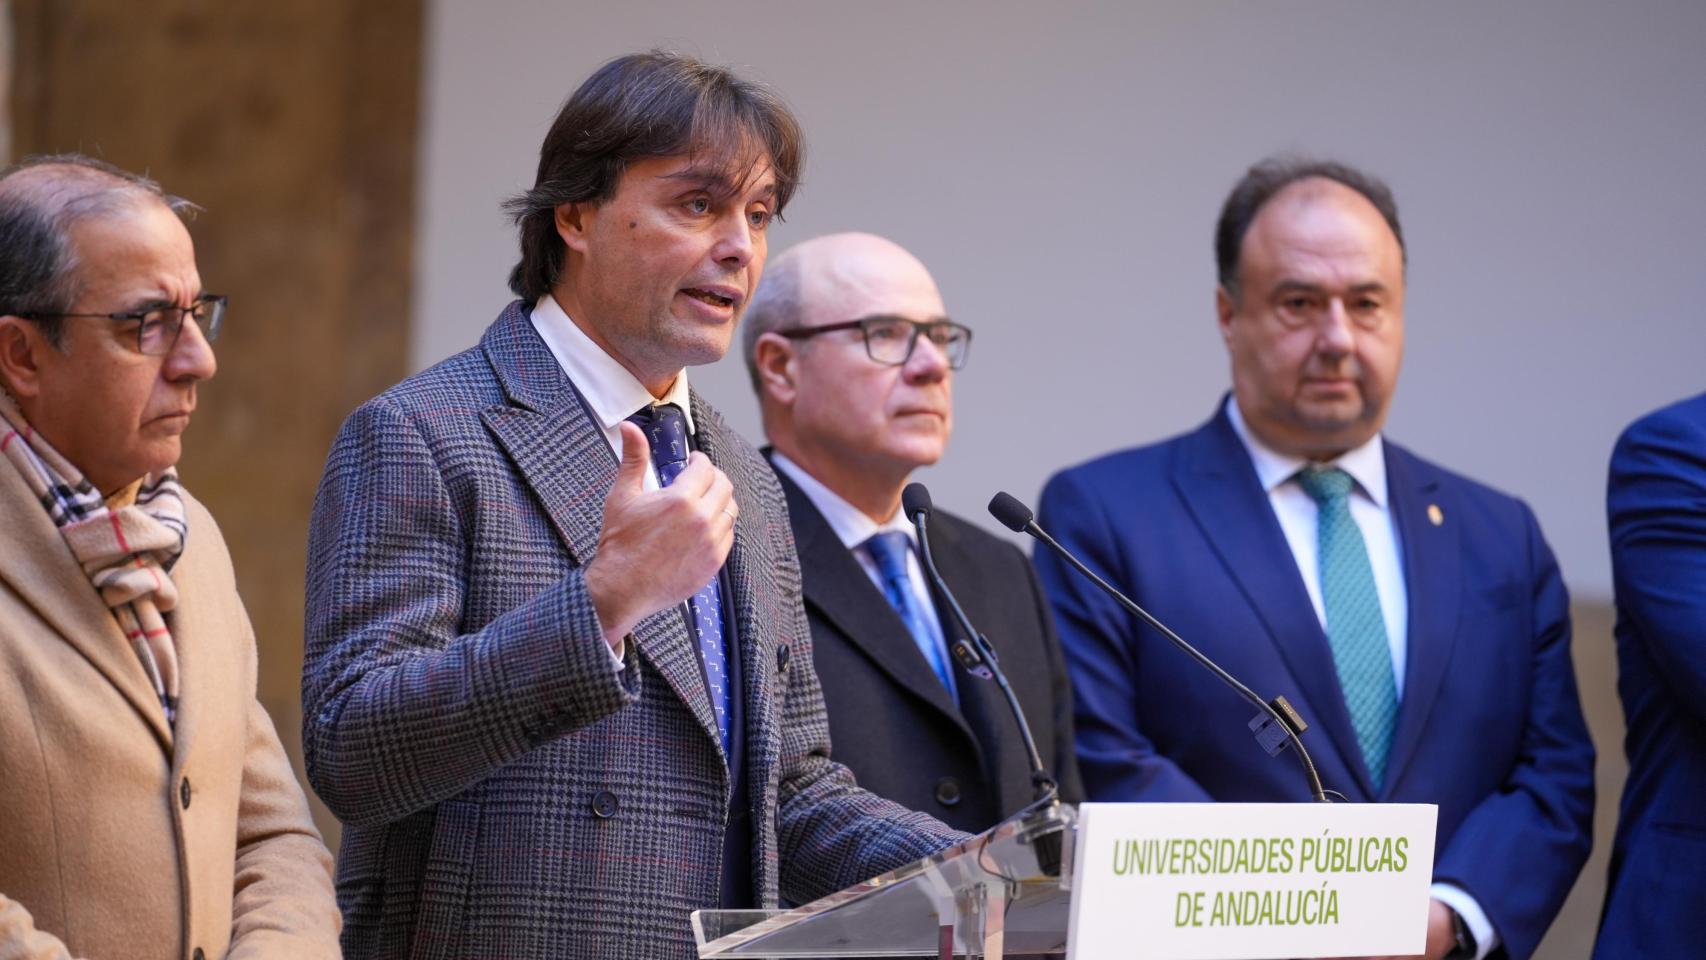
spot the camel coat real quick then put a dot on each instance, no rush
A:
(119, 836)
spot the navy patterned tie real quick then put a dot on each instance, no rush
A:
(889, 550)
(1356, 631)
(666, 429)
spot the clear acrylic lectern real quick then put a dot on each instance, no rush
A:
(1003, 893)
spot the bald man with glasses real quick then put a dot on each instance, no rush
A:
(853, 357)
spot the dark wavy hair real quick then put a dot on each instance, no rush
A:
(1265, 180)
(644, 105)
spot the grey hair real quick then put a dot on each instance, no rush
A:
(41, 199)
(777, 304)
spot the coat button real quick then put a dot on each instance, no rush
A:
(782, 659)
(198, 955)
(604, 805)
(948, 792)
(184, 792)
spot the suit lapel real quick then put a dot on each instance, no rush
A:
(740, 611)
(1433, 585)
(840, 589)
(1218, 483)
(561, 453)
(558, 449)
(50, 580)
(196, 621)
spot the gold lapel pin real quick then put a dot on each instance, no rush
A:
(1436, 516)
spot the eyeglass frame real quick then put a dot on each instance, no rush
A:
(218, 303)
(918, 327)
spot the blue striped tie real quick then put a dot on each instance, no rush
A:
(1356, 631)
(666, 429)
(889, 550)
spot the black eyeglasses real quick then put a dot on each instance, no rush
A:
(890, 340)
(157, 328)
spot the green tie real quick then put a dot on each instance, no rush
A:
(1355, 629)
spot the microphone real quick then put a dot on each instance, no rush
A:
(1276, 725)
(915, 500)
(915, 503)
(1048, 843)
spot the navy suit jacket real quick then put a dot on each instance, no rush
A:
(506, 792)
(1657, 508)
(891, 720)
(1489, 727)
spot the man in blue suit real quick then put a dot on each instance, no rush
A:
(1656, 503)
(1414, 617)
(558, 680)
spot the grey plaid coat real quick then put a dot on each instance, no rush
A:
(507, 792)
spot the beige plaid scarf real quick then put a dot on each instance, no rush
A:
(127, 552)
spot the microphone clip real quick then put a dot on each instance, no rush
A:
(1274, 728)
(974, 662)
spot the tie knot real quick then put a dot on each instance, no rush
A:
(1325, 485)
(888, 549)
(666, 432)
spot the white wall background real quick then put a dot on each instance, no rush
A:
(1059, 167)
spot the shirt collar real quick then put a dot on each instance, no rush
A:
(850, 524)
(126, 496)
(610, 390)
(1366, 464)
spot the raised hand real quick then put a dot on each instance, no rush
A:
(659, 546)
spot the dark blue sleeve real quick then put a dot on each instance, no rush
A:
(1656, 505)
(1116, 761)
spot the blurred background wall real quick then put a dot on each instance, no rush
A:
(1058, 167)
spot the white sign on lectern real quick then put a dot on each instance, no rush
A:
(1236, 881)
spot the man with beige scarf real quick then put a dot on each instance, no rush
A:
(149, 808)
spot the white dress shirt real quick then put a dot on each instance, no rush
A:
(1370, 507)
(852, 527)
(1299, 518)
(613, 393)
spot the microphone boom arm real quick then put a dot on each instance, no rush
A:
(1041, 780)
(1276, 725)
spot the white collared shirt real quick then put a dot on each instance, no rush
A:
(613, 393)
(852, 527)
(1370, 508)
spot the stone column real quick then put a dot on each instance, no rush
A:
(293, 125)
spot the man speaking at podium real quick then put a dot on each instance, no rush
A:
(853, 357)
(1415, 618)
(558, 679)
